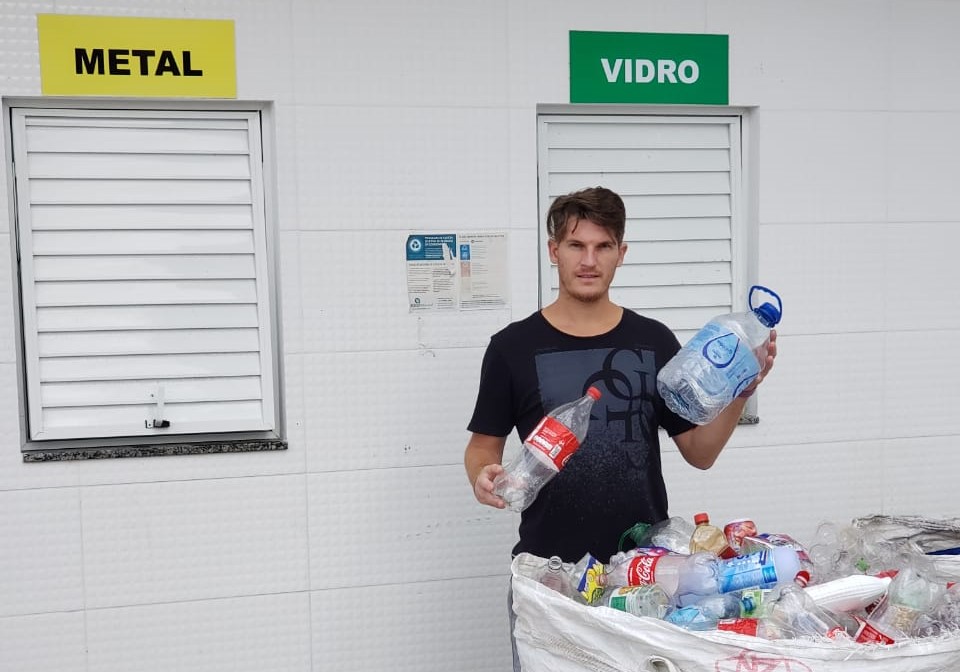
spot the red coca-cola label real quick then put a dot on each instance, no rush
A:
(554, 439)
(745, 626)
(641, 570)
(870, 635)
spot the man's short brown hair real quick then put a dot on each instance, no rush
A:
(598, 204)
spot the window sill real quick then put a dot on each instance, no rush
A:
(154, 450)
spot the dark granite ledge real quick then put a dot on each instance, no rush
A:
(154, 450)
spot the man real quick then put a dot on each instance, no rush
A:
(614, 480)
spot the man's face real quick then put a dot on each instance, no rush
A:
(586, 259)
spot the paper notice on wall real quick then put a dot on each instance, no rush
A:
(432, 273)
(484, 270)
(448, 271)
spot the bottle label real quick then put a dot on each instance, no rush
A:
(870, 635)
(591, 583)
(554, 439)
(745, 626)
(724, 350)
(736, 530)
(641, 570)
(638, 600)
(747, 571)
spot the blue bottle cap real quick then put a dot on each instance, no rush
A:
(768, 314)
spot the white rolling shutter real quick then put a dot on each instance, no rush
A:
(680, 179)
(143, 272)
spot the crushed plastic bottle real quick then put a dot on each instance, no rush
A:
(706, 612)
(896, 617)
(944, 616)
(672, 534)
(736, 530)
(768, 541)
(794, 614)
(545, 451)
(589, 579)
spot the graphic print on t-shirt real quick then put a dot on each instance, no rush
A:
(626, 379)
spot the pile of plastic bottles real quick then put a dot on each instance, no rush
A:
(850, 584)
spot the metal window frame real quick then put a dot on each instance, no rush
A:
(201, 442)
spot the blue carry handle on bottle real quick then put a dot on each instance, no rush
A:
(767, 313)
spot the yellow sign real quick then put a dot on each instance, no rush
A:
(120, 56)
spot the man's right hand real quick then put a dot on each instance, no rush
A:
(482, 460)
(483, 486)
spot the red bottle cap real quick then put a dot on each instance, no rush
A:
(802, 578)
(594, 392)
(701, 518)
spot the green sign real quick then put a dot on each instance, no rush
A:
(648, 68)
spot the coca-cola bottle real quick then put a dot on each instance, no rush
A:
(545, 451)
(685, 578)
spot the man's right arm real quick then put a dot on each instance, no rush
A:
(482, 461)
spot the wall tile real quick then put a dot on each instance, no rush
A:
(922, 169)
(823, 166)
(829, 275)
(815, 55)
(921, 283)
(44, 642)
(41, 559)
(919, 366)
(459, 625)
(918, 478)
(248, 634)
(387, 168)
(166, 542)
(426, 53)
(389, 409)
(381, 527)
(921, 48)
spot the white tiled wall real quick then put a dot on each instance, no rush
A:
(361, 547)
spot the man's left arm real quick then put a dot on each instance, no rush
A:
(701, 445)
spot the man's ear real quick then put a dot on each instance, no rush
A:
(623, 252)
(552, 250)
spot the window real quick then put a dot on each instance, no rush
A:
(682, 178)
(147, 293)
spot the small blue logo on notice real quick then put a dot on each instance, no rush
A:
(416, 244)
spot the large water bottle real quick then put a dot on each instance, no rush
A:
(720, 361)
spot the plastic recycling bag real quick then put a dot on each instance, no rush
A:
(557, 634)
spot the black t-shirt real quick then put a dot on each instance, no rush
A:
(615, 478)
